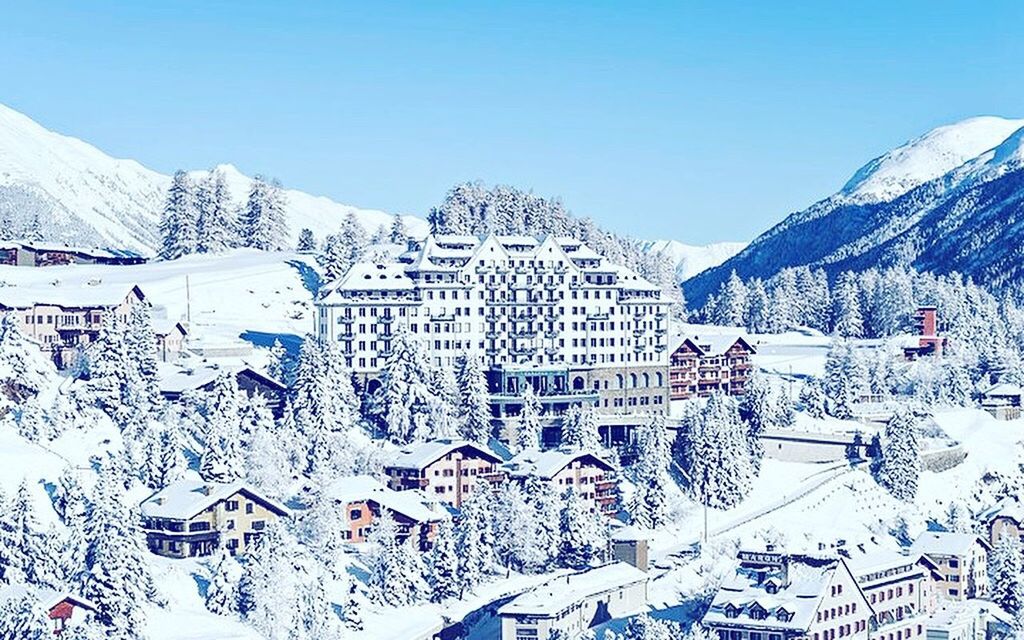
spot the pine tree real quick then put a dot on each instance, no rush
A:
(848, 320)
(715, 454)
(222, 590)
(262, 222)
(391, 578)
(351, 609)
(579, 428)
(529, 430)
(475, 402)
(215, 225)
(398, 233)
(307, 242)
(24, 370)
(222, 460)
(278, 365)
(178, 221)
(583, 536)
(900, 465)
(731, 309)
(475, 543)
(757, 309)
(844, 378)
(813, 398)
(652, 456)
(23, 618)
(1006, 574)
(270, 588)
(401, 405)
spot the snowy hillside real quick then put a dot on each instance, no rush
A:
(81, 195)
(947, 201)
(693, 259)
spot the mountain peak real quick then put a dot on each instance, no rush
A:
(927, 157)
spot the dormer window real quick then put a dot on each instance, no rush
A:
(731, 611)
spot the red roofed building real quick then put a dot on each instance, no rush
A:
(699, 367)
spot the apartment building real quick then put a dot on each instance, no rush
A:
(961, 562)
(899, 586)
(194, 518)
(598, 330)
(700, 366)
(65, 319)
(447, 470)
(573, 603)
(363, 499)
(777, 596)
(588, 474)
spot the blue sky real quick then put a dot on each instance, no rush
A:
(696, 121)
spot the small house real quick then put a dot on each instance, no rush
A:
(363, 499)
(447, 469)
(65, 609)
(1002, 400)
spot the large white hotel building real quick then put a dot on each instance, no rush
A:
(547, 311)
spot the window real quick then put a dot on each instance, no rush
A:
(231, 505)
(258, 525)
(248, 507)
(355, 514)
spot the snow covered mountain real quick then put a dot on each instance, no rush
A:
(949, 200)
(81, 195)
(692, 259)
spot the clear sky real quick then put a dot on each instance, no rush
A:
(696, 121)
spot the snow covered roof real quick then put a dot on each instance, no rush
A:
(865, 564)
(176, 378)
(712, 344)
(187, 498)
(629, 279)
(1008, 508)
(946, 543)
(421, 454)
(412, 504)
(783, 599)
(1002, 390)
(366, 276)
(163, 327)
(553, 597)
(47, 598)
(545, 464)
(70, 297)
(94, 252)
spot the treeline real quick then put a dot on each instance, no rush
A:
(985, 330)
(199, 216)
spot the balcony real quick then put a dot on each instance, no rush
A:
(481, 269)
(492, 352)
(386, 319)
(597, 316)
(551, 351)
(346, 320)
(502, 269)
(523, 335)
(552, 334)
(492, 335)
(551, 286)
(443, 318)
(660, 332)
(638, 348)
(561, 269)
(345, 337)
(524, 352)
(637, 333)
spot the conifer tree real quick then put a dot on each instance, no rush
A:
(715, 454)
(583, 536)
(24, 370)
(262, 223)
(307, 242)
(900, 465)
(579, 428)
(398, 233)
(529, 430)
(178, 220)
(222, 591)
(1006, 574)
(222, 459)
(215, 227)
(475, 543)
(475, 403)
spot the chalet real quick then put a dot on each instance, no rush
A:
(776, 596)
(64, 608)
(700, 366)
(449, 470)
(362, 499)
(583, 471)
(929, 342)
(1007, 519)
(571, 604)
(961, 560)
(1002, 400)
(178, 378)
(170, 339)
(64, 320)
(45, 254)
(194, 518)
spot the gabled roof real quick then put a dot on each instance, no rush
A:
(188, 498)
(47, 598)
(164, 327)
(546, 464)
(946, 543)
(713, 344)
(175, 378)
(422, 454)
(563, 592)
(70, 297)
(1003, 389)
(413, 504)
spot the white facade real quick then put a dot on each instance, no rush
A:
(514, 300)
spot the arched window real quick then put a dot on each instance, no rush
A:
(647, 379)
(660, 378)
(620, 382)
(632, 380)
(577, 383)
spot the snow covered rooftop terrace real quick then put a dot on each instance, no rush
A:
(413, 504)
(945, 543)
(187, 498)
(561, 593)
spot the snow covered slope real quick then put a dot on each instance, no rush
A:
(84, 196)
(693, 259)
(947, 201)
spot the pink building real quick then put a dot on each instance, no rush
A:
(64, 320)
(699, 367)
(362, 499)
(449, 470)
(929, 342)
(900, 588)
(585, 472)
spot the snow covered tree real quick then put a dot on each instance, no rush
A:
(398, 234)
(222, 459)
(222, 590)
(715, 454)
(513, 520)
(270, 588)
(475, 401)
(278, 364)
(584, 536)
(443, 564)
(579, 428)
(140, 346)
(395, 568)
(343, 249)
(401, 405)
(757, 308)
(813, 398)
(474, 543)
(351, 609)
(649, 471)
(529, 429)
(178, 220)
(644, 627)
(24, 370)
(958, 518)
(307, 242)
(262, 222)
(21, 542)
(731, 307)
(900, 464)
(215, 226)
(23, 617)
(848, 321)
(1006, 574)
(844, 378)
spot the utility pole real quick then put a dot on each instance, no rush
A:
(188, 302)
